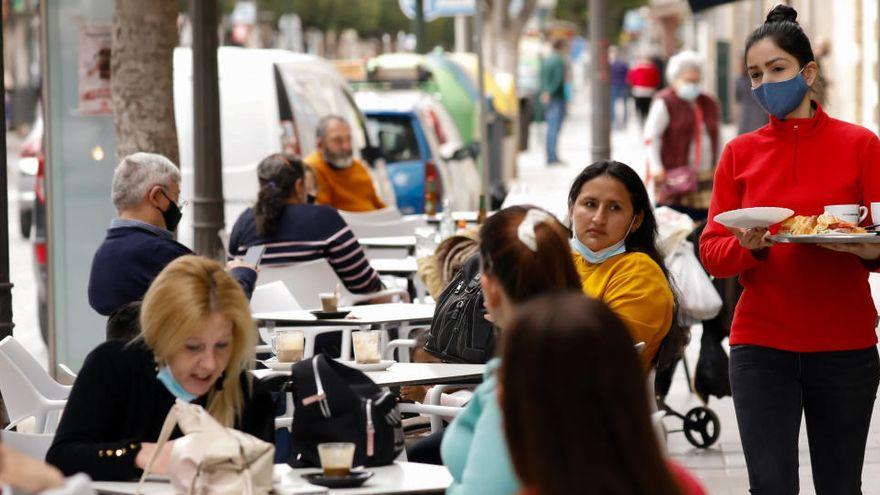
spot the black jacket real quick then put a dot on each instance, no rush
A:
(117, 402)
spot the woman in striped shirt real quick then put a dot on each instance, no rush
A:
(295, 231)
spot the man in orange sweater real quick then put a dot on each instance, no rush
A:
(343, 181)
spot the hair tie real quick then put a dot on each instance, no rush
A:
(526, 230)
(271, 184)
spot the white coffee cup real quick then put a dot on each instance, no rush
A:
(853, 214)
(875, 213)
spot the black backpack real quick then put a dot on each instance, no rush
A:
(335, 403)
(460, 332)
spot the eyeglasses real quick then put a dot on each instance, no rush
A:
(180, 204)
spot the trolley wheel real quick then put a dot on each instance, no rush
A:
(701, 427)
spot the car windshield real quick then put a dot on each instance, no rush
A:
(396, 137)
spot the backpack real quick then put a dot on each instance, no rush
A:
(460, 332)
(336, 403)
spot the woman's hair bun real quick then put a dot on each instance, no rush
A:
(782, 13)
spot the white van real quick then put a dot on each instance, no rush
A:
(267, 98)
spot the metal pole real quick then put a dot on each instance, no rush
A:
(419, 27)
(481, 70)
(208, 177)
(5, 287)
(600, 90)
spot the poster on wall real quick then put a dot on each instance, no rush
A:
(95, 43)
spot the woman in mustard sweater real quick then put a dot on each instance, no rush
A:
(615, 254)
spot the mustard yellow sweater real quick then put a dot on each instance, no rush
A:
(635, 289)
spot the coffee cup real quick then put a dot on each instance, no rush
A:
(853, 213)
(875, 213)
(329, 301)
(366, 346)
(288, 345)
(336, 458)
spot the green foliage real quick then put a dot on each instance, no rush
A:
(576, 11)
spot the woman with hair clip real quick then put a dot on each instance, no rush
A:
(294, 230)
(570, 346)
(614, 243)
(524, 253)
(197, 345)
(803, 339)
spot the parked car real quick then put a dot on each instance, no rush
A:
(270, 100)
(418, 139)
(27, 165)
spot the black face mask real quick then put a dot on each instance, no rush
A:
(310, 199)
(172, 214)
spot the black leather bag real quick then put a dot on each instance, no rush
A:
(460, 332)
(335, 403)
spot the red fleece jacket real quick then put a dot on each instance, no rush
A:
(800, 298)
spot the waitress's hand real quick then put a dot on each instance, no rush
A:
(752, 239)
(864, 250)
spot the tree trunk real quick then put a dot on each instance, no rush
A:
(144, 37)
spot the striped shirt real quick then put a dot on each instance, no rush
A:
(305, 233)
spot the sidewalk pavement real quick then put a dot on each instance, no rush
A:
(721, 468)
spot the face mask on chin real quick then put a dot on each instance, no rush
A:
(173, 386)
(598, 257)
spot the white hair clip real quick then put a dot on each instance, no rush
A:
(526, 230)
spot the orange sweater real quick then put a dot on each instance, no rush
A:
(348, 189)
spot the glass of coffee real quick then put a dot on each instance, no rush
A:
(288, 345)
(336, 458)
(366, 346)
(329, 301)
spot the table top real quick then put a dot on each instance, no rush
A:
(401, 374)
(397, 478)
(406, 265)
(467, 216)
(401, 241)
(368, 314)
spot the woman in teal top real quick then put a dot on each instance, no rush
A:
(524, 253)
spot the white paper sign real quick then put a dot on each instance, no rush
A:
(95, 43)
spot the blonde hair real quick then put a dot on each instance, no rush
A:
(187, 291)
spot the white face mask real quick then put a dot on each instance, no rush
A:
(598, 257)
(688, 91)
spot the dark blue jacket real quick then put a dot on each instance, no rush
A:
(129, 259)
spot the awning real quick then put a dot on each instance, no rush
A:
(698, 5)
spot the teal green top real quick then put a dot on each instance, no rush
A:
(553, 76)
(474, 449)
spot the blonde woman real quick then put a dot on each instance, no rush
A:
(197, 344)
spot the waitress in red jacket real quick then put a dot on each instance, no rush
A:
(802, 340)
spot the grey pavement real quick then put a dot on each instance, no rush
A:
(722, 467)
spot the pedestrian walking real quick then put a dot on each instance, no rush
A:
(803, 340)
(553, 71)
(619, 86)
(643, 79)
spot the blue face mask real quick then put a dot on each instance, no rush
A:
(597, 257)
(781, 98)
(173, 385)
(688, 91)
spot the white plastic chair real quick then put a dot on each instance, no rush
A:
(387, 214)
(306, 280)
(28, 391)
(34, 445)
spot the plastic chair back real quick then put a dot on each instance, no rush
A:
(22, 399)
(31, 444)
(44, 383)
(393, 228)
(273, 297)
(388, 214)
(305, 281)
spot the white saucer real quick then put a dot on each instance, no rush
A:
(751, 218)
(380, 366)
(274, 364)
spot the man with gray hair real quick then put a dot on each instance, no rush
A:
(140, 241)
(343, 181)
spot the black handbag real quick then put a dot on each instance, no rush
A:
(460, 332)
(335, 403)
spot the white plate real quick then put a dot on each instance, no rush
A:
(870, 238)
(380, 366)
(273, 364)
(752, 218)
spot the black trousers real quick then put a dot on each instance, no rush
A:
(834, 391)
